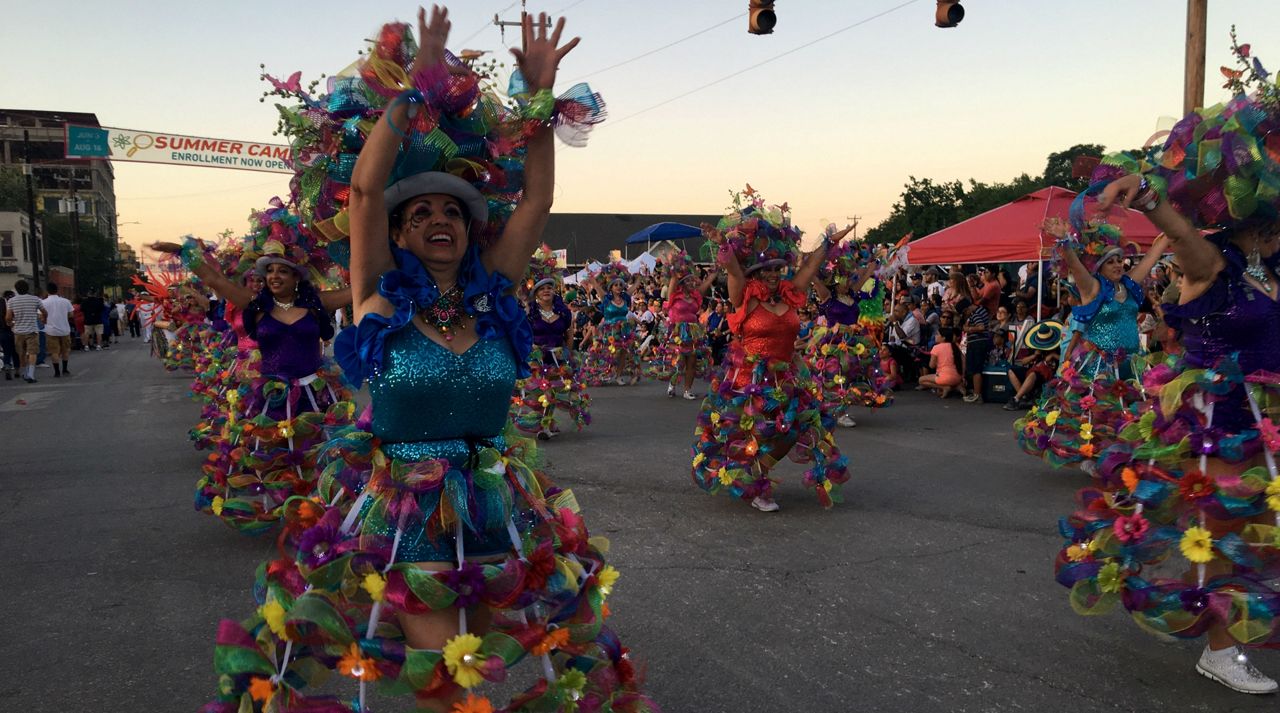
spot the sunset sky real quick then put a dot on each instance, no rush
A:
(831, 113)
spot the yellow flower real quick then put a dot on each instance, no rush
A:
(1273, 495)
(462, 659)
(216, 506)
(1051, 417)
(1197, 545)
(747, 422)
(1086, 432)
(542, 399)
(839, 379)
(273, 613)
(726, 478)
(1077, 552)
(698, 459)
(715, 417)
(375, 585)
(286, 431)
(859, 349)
(608, 577)
(233, 397)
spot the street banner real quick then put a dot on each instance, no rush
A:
(152, 147)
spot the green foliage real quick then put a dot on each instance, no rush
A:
(97, 269)
(1057, 169)
(13, 189)
(926, 207)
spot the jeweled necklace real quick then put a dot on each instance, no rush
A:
(284, 305)
(446, 313)
(1257, 270)
(548, 315)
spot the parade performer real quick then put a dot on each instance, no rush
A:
(1182, 526)
(1095, 394)
(764, 404)
(554, 380)
(612, 357)
(436, 558)
(684, 354)
(845, 352)
(232, 366)
(266, 456)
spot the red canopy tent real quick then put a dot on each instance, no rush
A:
(1011, 233)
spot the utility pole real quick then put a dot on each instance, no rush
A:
(504, 24)
(75, 228)
(1197, 26)
(32, 228)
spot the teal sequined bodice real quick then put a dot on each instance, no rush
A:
(613, 312)
(428, 401)
(1115, 326)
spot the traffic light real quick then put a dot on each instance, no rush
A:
(760, 17)
(949, 14)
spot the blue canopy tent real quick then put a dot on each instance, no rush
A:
(663, 231)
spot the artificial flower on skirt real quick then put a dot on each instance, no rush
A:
(612, 342)
(676, 341)
(189, 340)
(845, 359)
(757, 412)
(330, 603)
(267, 454)
(229, 369)
(553, 384)
(1182, 526)
(1083, 409)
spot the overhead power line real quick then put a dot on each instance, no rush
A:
(658, 49)
(761, 63)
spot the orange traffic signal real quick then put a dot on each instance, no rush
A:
(949, 14)
(761, 17)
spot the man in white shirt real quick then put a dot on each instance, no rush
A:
(57, 329)
(903, 337)
(23, 313)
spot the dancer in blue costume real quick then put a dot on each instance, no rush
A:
(612, 356)
(1095, 393)
(436, 558)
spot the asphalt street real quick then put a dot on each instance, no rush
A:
(929, 589)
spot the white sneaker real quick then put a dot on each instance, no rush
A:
(688, 396)
(1231, 668)
(846, 421)
(544, 435)
(620, 381)
(671, 391)
(764, 504)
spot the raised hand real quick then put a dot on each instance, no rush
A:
(431, 37)
(839, 235)
(1122, 189)
(539, 57)
(165, 247)
(1054, 227)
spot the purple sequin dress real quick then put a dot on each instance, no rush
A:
(555, 382)
(1193, 483)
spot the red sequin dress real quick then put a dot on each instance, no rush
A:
(763, 406)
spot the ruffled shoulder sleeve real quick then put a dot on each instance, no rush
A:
(1106, 291)
(758, 291)
(488, 297)
(409, 288)
(358, 348)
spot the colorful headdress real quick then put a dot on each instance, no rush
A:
(757, 235)
(679, 264)
(846, 260)
(1094, 239)
(277, 235)
(458, 128)
(1220, 165)
(542, 270)
(616, 271)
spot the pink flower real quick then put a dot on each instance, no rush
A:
(1270, 434)
(1130, 527)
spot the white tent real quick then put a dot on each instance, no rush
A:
(645, 261)
(592, 268)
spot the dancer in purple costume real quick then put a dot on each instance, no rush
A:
(1197, 475)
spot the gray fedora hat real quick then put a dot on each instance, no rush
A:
(438, 182)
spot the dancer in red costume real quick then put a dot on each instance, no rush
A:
(764, 405)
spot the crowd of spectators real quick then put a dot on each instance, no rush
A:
(41, 328)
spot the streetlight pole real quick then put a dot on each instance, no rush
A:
(1197, 26)
(32, 226)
